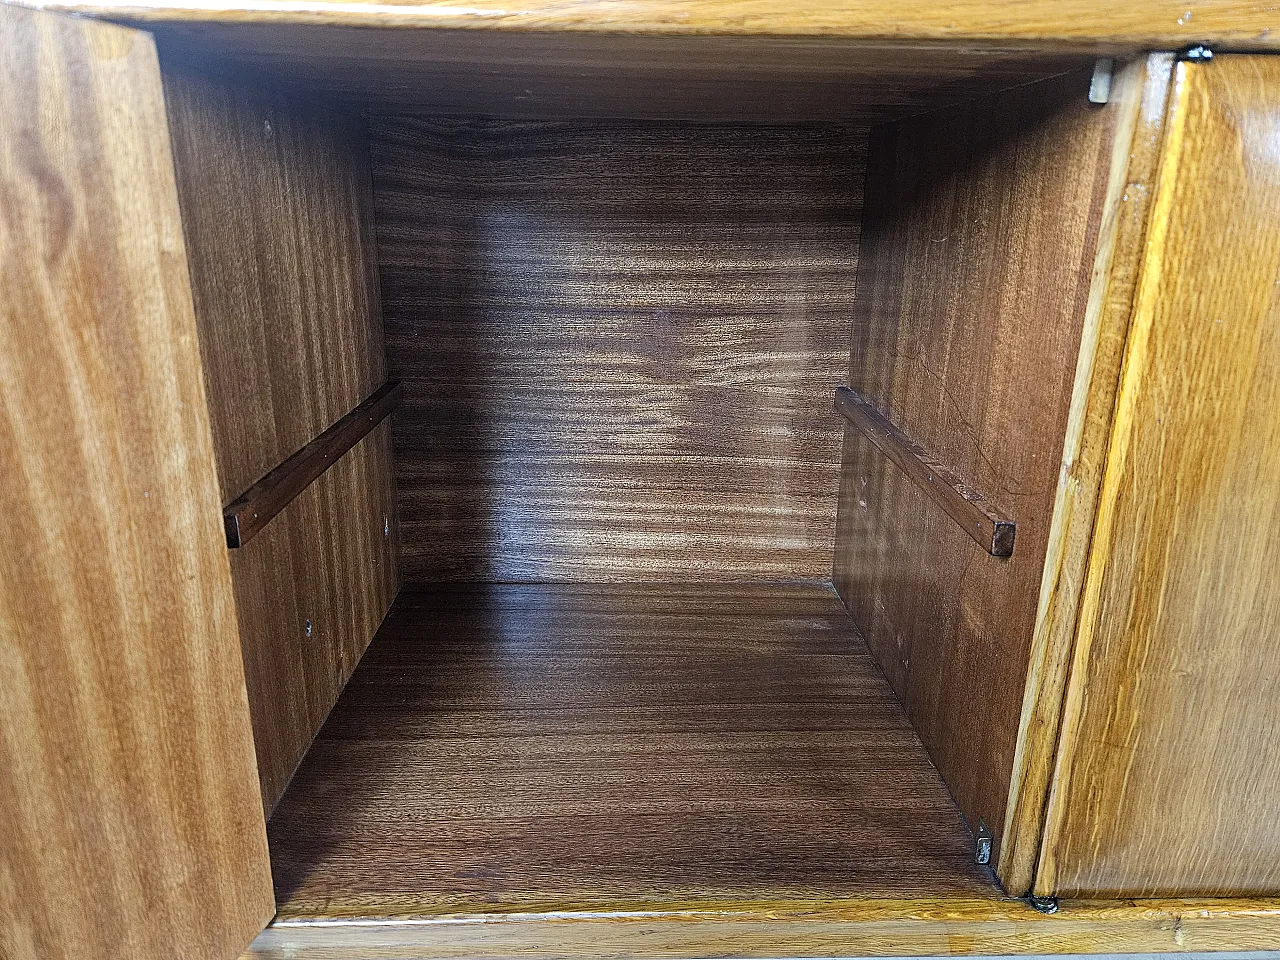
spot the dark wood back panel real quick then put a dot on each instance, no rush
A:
(618, 344)
(977, 253)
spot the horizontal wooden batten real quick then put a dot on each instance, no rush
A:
(991, 529)
(255, 508)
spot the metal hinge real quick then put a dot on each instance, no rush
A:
(982, 850)
(1044, 904)
(1196, 53)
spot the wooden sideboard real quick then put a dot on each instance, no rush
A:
(645, 479)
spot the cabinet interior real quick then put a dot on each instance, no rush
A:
(610, 540)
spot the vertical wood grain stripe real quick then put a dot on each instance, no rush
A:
(130, 819)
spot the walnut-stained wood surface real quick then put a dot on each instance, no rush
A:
(277, 211)
(519, 747)
(930, 927)
(618, 344)
(1087, 24)
(977, 251)
(1167, 771)
(1139, 90)
(311, 590)
(132, 824)
(577, 75)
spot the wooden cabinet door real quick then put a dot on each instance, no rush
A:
(130, 817)
(1169, 757)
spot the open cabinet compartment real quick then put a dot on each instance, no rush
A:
(682, 493)
(619, 517)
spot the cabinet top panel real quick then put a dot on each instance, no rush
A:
(1089, 24)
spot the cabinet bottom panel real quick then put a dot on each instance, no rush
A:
(585, 747)
(655, 770)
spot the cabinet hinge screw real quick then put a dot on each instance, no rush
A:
(982, 850)
(1044, 904)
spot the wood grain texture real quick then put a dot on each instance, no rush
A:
(1135, 25)
(1140, 92)
(1168, 763)
(132, 821)
(329, 560)
(990, 529)
(277, 210)
(575, 75)
(516, 747)
(871, 927)
(257, 506)
(977, 250)
(618, 343)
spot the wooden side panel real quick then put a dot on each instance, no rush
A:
(277, 210)
(1140, 91)
(977, 251)
(312, 589)
(618, 344)
(1170, 754)
(132, 824)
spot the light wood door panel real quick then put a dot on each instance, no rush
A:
(132, 822)
(1170, 752)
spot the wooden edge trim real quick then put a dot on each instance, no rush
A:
(928, 927)
(991, 908)
(1034, 25)
(255, 508)
(990, 528)
(1136, 354)
(1140, 92)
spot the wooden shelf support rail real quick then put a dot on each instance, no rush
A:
(992, 530)
(254, 509)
